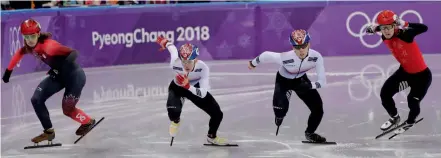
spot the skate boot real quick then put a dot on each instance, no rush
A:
(84, 128)
(48, 135)
(392, 122)
(313, 137)
(404, 128)
(173, 129)
(216, 140)
(278, 121)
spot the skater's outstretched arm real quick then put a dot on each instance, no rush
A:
(173, 52)
(164, 43)
(15, 59)
(267, 57)
(204, 83)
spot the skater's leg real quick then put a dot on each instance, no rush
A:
(419, 84)
(281, 97)
(314, 102)
(175, 102)
(210, 106)
(74, 86)
(44, 90)
(395, 83)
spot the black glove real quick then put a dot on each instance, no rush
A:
(372, 29)
(7, 75)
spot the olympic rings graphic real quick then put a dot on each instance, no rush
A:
(372, 86)
(362, 32)
(15, 41)
(18, 103)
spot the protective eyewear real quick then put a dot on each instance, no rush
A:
(30, 37)
(386, 27)
(303, 46)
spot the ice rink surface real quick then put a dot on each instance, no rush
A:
(132, 98)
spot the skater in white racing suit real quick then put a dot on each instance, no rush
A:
(292, 77)
(192, 83)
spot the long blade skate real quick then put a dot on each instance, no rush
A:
(393, 129)
(329, 143)
(50, 144)
(89, 130)
(171, 141)
(406, 130)
(277, 131)
(208, 144)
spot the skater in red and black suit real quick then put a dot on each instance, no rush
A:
(413, 71)
(64, 73)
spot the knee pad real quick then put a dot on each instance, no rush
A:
(68, 105)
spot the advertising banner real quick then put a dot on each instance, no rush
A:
(126, 35)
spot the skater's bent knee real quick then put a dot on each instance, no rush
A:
(37, 100)
(319, 111)
(386, 95)
(218, 115)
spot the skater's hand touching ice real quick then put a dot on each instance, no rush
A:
(162, 42)
(182, 80)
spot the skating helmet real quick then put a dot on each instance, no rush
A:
(299, 37)
(386, 17)
(188, 52)
(29, 27)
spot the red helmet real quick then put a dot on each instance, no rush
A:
(30, 26)
(386, 17)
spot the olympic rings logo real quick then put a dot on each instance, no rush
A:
(18, 103)
(362, 32)
(371, 86)
(15, 41)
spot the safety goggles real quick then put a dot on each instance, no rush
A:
(303, 46)
(30, 37)
(386, 27)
